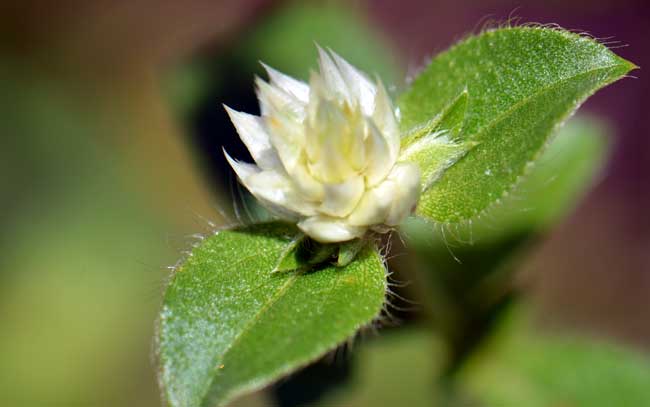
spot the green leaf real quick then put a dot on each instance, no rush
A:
(525, 366)
(522, 83)
(229, 325)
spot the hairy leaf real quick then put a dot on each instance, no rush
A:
(230, 325)
(522, 82)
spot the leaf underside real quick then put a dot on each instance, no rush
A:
(522, 83)
(230, 325)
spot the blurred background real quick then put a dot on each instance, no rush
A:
(112, 128)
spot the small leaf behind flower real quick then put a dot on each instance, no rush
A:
(451, 121)
(290, 259)
(448, 122)
(348, 251)
(304, 253)
(522, 82)
(437, 145)
(434, 154)
(230, 325)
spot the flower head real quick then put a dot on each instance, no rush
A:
(326, 152)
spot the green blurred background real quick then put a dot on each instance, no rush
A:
(111, 133)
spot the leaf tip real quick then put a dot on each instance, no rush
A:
(631, 66)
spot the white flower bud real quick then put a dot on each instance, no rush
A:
(326, 153)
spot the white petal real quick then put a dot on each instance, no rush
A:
(271, 187)
(243, 170)
(274, 100)
(332, 76)
(308, 186)
(317, 91)
(379, 156)
(297, 88)
(375, 205)
(275, 188)
(329, 230)
(361, 88)
(391, 201)
(287, 137)
(406, 177)
(384, 118)
(252, 133)
(327, 134)
(340, 199)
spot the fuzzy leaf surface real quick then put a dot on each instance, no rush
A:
(522, 83)
(230, 325)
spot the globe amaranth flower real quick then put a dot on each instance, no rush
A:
(327, 153)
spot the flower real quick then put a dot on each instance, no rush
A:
(327, 152)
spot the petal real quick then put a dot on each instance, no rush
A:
(328, 133)
(308, 186)
(379, 157)
(274, 100)
(374, 206)
(361, 88)
(277, 189)
(353, 137)
(330, 230)
(287, 137)
(406, 178)
(334, 136)
(317, 91)
(243, 170)
(271, 187)
(340, 199)
(297, 88)
(332, 77)
(251, 131)
(383, 116)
